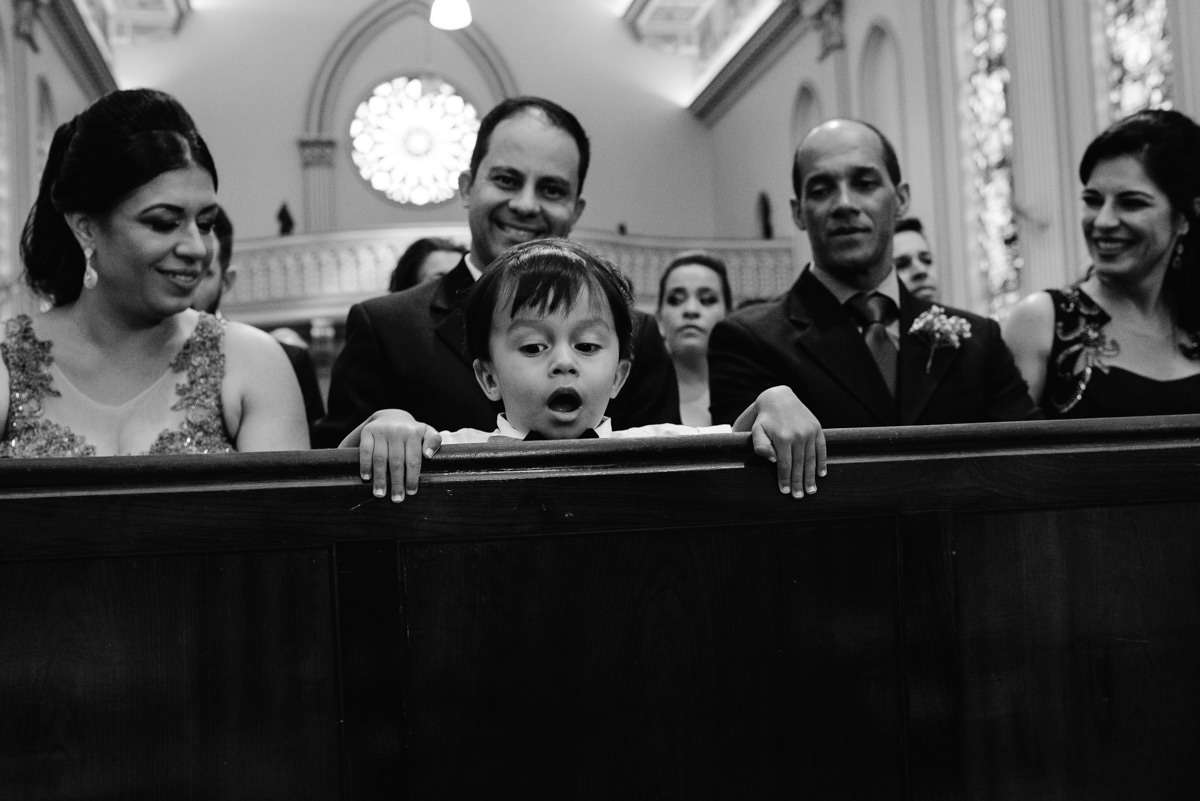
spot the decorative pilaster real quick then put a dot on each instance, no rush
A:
(1045, 187)
(316, 159)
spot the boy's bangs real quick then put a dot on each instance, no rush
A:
(547, 289)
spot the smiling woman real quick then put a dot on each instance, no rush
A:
(115, 245)
(1126, 339)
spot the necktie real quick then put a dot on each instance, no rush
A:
(534, 436)
(873, 312)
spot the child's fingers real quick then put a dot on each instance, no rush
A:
(431, 442)
(366, 450)
(412, 463)
(379, 465)
(397, 467)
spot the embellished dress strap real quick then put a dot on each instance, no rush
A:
(202, 360)
(26, 432)
(1079, 348)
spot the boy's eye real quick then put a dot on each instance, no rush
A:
(531, 348)
(588, 347)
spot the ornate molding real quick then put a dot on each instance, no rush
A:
(321, 275)
(785, 26)
(317, 151)
(363, 29)
(80, 44)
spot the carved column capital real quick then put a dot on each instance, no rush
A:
(317, 152)
(826, 17)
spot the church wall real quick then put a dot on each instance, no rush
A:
(652, 162)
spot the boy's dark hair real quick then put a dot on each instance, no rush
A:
(558, 116)
(547, 275)
(704, 259)
(909, 224)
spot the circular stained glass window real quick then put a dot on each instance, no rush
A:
(412, 138)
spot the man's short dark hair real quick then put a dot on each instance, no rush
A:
(909, 224)
(890, 162)
(547, 275)
(223, 228)
(557, 116)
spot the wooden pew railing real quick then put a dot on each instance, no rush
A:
(1008, 611)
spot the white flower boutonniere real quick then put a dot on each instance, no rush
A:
(941, 329)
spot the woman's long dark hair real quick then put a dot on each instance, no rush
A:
(1167, 143)
(119, 143)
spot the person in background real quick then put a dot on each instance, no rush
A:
(1125, 340)
(856, 347)
(550, 333)
(116, 244)
(424, 260)
(407, 350)
(693, 296)
(218, 278)
(914, 260)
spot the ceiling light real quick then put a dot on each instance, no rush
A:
(450, 15)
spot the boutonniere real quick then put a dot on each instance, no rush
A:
(941, 330)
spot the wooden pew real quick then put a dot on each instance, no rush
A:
(1008, 611)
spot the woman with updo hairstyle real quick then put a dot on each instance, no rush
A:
(115, 245)
(693, 296)
(425, 259)
(1125, 340)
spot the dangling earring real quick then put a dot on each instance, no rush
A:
(90, 276)
(1177, 256)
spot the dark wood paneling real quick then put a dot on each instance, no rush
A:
(168, 677)
(1081, 652)
(994, 612)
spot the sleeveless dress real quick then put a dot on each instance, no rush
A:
(179, 413)
(1080, 384)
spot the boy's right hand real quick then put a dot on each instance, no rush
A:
(391, 443)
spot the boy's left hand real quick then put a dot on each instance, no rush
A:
(391, 444)
(785, 432)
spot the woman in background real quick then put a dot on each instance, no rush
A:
(1126, 339)
(693, 296)
(425, 259)
(116, 243)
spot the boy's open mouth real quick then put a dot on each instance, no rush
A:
(564, 400)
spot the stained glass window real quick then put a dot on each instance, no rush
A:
(988, 139)
(1134, 55)
(412, 138)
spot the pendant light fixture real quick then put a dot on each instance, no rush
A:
(450, 15)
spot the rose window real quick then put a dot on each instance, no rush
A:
(412, 138)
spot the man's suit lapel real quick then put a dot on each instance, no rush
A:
(826, 333)
(915, 383)
(447, 311)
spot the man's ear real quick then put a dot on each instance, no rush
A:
(83, 227)
(487, 379)
(798, 214)
(580, 205)
(622, 374)
(465, 179)
(229, 278)
(902, 197)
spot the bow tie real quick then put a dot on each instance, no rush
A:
(534, 436)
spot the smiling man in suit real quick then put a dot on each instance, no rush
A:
(408, 350)
(842, 338)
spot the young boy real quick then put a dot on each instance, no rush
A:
(549, 330)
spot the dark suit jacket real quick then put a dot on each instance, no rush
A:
(806, 340)
(408, 351)
(306, 374)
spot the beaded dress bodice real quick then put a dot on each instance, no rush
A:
(1080, 382)
(48, 416)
